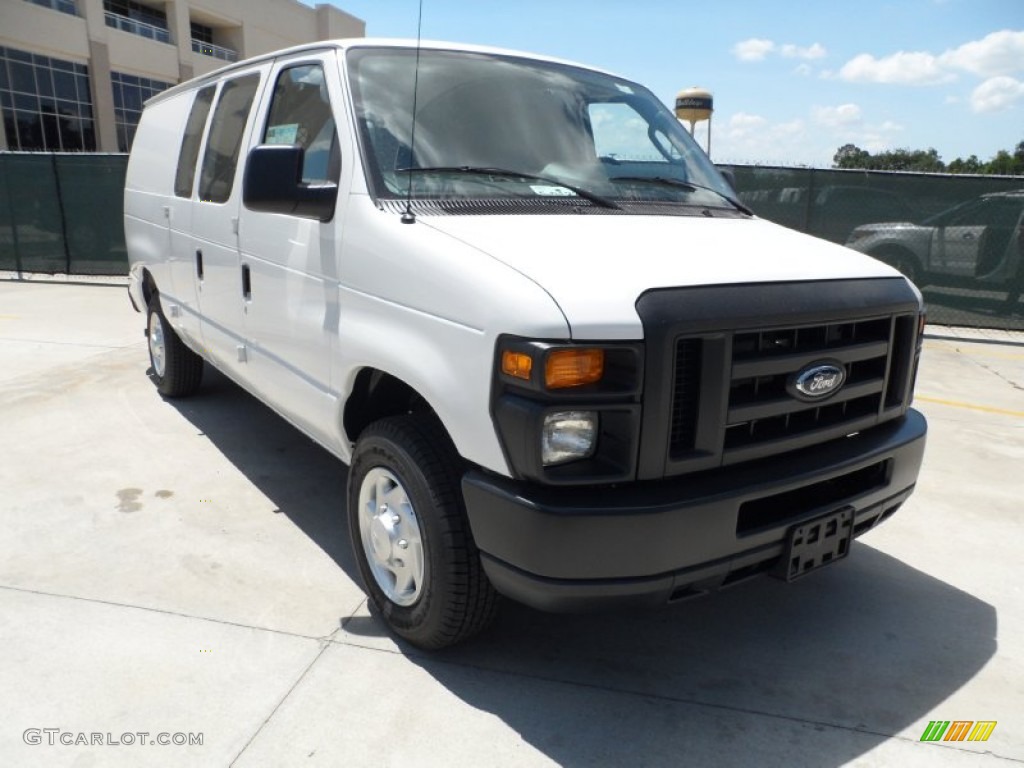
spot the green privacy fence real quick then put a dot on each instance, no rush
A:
(62, 213)
(959, 237)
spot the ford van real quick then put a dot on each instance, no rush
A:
(563, 363)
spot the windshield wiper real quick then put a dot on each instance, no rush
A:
(687, 185)
(586, 194)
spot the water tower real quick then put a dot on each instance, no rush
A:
(694, 105)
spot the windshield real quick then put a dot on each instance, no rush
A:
(490, 126)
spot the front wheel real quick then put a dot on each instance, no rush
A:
(411, 537)
(177, 371)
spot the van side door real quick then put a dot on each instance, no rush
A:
(221, 283)
(291, 320)
(185, 259)
(957, 240)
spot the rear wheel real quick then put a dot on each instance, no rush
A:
(177, 371)
(411, 537)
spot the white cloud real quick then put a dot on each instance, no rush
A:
(877, 138)
(797, 141)
(815, 51)
(754, 49)
(804, 69)
(902, 68)
(743, 122)
(998, 53)
(753, 138)
(834, 117)
(996, 94)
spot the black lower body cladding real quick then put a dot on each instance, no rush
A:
(566, 549)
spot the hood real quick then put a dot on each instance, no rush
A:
(596, 267)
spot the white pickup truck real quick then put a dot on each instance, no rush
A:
(563, 363)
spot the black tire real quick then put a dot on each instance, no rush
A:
(180, 372)
(453, 599)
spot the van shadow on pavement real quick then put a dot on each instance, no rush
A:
(830, 666)
(301, 479)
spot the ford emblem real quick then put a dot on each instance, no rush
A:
(817, 381)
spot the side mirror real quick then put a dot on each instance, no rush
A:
(273, 184)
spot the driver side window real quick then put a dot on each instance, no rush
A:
(300, 114)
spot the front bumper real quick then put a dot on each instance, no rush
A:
(568, 549)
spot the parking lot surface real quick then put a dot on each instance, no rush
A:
(181, 569)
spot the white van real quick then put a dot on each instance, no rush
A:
(562, 362)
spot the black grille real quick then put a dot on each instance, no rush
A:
(761, 410)
(723, 362)
(686, 396)
(770, 511)
(762, 416)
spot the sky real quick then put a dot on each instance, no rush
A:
(792, 81)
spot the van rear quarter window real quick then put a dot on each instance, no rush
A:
(186, 172)
(225, 140)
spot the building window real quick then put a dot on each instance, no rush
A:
(64, 6)
(202, 42)
(202, 33)
(46, 103)
(130, 92)
(129, 16)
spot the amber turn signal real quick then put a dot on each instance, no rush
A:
(573, 368)
(516, 364)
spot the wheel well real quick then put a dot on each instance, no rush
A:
(149, 289)
(376, 395)
(893, 254)
(887, 252)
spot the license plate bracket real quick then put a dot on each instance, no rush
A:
(816, 543)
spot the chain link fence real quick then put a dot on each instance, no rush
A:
(960, 238)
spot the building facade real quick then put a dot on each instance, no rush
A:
(75, 73)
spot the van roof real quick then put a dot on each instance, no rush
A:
(357, 42)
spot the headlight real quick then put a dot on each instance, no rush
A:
(567, 436)
(568, 413)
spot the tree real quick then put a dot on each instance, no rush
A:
(850, 156)
(928, 161)
(971, 165)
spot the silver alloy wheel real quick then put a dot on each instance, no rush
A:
(391, 538)
(157, 345)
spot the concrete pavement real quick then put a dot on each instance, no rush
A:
(183, 568)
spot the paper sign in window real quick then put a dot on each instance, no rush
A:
(282, 134)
